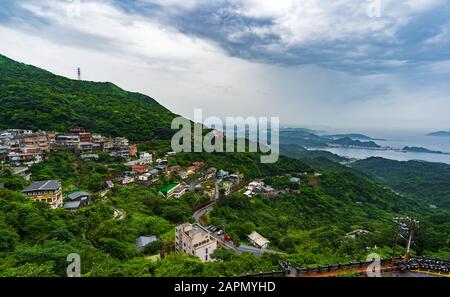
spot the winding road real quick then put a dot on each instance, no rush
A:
(229, 244)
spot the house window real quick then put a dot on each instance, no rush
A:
(206, 257)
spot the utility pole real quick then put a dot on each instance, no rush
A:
(405, 228)
(79, 73)
(412, 225)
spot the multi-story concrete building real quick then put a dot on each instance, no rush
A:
(121, 141)
(37, 140)
(195, 240)
(46, 191)
(25, 156)
(68, 140)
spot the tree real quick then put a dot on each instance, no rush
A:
(29, 270)
(153, 248)
(8, 238)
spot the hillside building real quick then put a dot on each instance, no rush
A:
(46, 191)
(195, 240)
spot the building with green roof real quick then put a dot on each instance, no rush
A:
(173, 190)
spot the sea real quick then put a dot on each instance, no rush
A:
(397, 141)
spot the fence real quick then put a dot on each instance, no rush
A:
(437, 265)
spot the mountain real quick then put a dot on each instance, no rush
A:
(354, 136)
(310, 138)
(310, 225)
(425, 181)
(36, 99)
(302, 137)
(347, 141)
(415, 149)
(440, 134)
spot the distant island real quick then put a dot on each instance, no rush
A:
(414, 149)
(354, 136)
(440, 134)
(348, 142)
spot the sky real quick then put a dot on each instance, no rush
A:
(342, 65)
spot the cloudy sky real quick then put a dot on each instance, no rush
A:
(342, 64)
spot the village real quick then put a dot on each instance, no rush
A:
(23, 148)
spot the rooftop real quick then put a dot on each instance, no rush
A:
(143, 241)
(86, 156)
(19, 170)
(258, 239)
(77, 194)
(192, 229)
(168, 188)
(47, 185)
(72, 205)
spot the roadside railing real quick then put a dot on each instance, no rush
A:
(441, 266)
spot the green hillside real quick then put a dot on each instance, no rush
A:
(425, 181)
(32, 98)
(309, 226)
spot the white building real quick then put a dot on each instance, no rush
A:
(22, 172)
(249, 193)
(195, 240)
(144, 159)
(145, 155)
(127, 180)
(146, 176)
(258, 240)
(255, 185)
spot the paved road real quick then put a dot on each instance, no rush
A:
(229, 244)
(256, 251)
(208, 207)
(197, 215)
(217, 192)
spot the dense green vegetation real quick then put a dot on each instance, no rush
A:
(425, 181)
(67, 167)
(247, 163)
(315, 222)
(308, 227)
(33, 98)
(36, 240)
